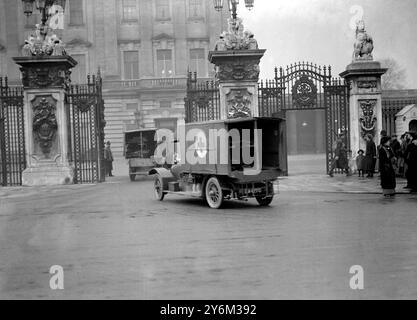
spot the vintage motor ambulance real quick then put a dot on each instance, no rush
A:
(233, 159)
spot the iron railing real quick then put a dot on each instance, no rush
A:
(12, 134)
(202, 102)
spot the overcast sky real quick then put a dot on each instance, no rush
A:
(321, 31)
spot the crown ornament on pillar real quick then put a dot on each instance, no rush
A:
(236, 38)
(43, 44)
(364, 44)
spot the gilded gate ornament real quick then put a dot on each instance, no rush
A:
(304, 92)
(45, 124)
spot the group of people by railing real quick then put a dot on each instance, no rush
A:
(391, 158)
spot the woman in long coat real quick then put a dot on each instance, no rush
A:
(386, 168)
(412, 163)
(370, 156)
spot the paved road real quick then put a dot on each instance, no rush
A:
(114, 241)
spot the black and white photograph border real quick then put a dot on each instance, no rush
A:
(208, 150)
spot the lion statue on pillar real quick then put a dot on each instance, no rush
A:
(364, 44)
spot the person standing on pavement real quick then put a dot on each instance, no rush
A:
(108, 159)
(382, 134)
(400, 156)
(340, 160)
(411, 161)
(407, 148)
(360, 163)
(386, 159)
(396, 149)
(370, 156)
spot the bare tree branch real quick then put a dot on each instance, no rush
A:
(395, 78)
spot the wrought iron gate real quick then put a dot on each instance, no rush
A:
(306, 86)
(12, 135)
(202, 102)
(85, 107)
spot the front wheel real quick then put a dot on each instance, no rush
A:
(132, 177)
(214, 193)
(264, 201)
(158, 188)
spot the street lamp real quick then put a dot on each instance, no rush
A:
(43, 6)
(218, 5)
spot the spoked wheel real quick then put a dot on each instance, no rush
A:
(158, 188)
(264, 201)
(214, 193)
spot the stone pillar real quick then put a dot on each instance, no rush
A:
(365, 101)
(45, 80)
(238, 73)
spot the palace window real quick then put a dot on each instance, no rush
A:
(76, 12)
(130, 10)
(195, 8)
(131, 65)
(198, 62)
(162, 10)
(79, 73)
(164, 63)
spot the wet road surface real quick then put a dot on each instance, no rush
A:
(114, 241)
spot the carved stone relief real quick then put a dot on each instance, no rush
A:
(45, 76)
(367, 118)
(239, 103)
(367, 84)
(238, 70)
(45, 124)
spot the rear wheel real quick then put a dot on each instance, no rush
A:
(158, 188)
(214, 193)
(132, 177)
(264, 201)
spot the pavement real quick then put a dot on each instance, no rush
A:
(307, 173)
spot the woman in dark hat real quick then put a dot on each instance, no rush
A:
(386, 159)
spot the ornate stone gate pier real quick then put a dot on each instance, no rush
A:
(365, 98)
(45, 81)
